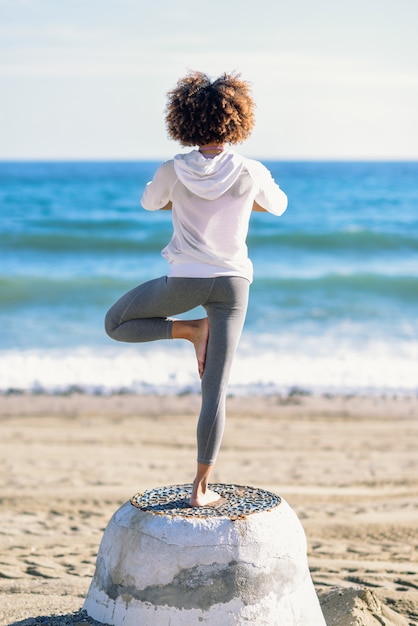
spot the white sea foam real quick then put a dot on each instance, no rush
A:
(375, 367)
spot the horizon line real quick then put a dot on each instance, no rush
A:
(281, 159)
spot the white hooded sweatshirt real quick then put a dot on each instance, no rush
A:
(212, 200)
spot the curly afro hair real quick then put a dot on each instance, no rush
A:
(200, 112)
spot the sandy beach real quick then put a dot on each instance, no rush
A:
(347, 465)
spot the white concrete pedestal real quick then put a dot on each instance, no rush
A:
(166, 564)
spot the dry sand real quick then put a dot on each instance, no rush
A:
(347, 465)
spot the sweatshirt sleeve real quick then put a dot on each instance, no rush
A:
(158, 191)
(269, 195)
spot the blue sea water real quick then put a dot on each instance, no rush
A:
(334, 303)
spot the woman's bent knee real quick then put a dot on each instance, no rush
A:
(110, 324)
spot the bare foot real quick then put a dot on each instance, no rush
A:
(200, 343)
(196, 331)
(204, 499)
(201, 494)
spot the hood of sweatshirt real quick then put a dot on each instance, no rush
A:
(208, 178)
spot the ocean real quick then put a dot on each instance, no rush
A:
(333, 307)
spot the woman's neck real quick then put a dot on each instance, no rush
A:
(211, 150)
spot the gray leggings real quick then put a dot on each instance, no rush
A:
(143, 313)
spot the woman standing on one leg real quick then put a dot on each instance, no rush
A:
(211, 191)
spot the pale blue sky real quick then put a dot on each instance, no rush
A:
(87, 78)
